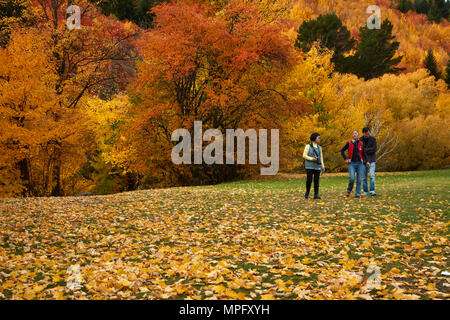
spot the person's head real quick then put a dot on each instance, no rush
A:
(315, 137)
(366, 132)
(355, 134)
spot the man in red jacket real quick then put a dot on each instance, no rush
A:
(356, 159)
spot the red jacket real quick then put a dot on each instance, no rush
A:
(360, 149)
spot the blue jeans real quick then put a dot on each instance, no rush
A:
(371, 172)
(358, 168)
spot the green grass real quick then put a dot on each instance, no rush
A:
(327, 181)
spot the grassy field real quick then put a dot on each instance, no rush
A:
(243, 240)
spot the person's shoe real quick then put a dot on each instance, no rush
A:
(317, 196)
(306, 195)
(365, 193)
(359, 197)
(348, 194)
(373, 193)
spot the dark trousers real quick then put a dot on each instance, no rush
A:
(310, 173)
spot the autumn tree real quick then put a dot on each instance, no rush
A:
(85, 60)
(424, 140)
(107, 166)
(307, 80)
(220, 68)
(28, 103)
(99, 56)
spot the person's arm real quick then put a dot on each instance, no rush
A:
(365, 158)
(305, 153)
(343, 151)
(321, 159)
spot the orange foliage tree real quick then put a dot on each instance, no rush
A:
(99, 56)
(198, 64)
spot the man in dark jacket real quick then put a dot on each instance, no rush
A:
(356, 159)
(370, 146)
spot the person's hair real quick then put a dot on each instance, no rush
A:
(366, 129)
(314, 136)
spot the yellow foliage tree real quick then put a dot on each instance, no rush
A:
(105, 118)
(29, 104)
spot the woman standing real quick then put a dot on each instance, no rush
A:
(313, 164)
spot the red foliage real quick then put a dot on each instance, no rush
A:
(385, 3)
(355, 33)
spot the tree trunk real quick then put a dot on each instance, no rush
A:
(25, 176)
(56, 171)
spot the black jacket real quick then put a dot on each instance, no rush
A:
(370, 146)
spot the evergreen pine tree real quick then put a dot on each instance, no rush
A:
(122, 9)
(444, 7)
(10, 12)
(136, 11)
(431, 65)
(331, 33)
(434, 13)
(421, 6)
(142, 16)
(404, 5)
(375, 52)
